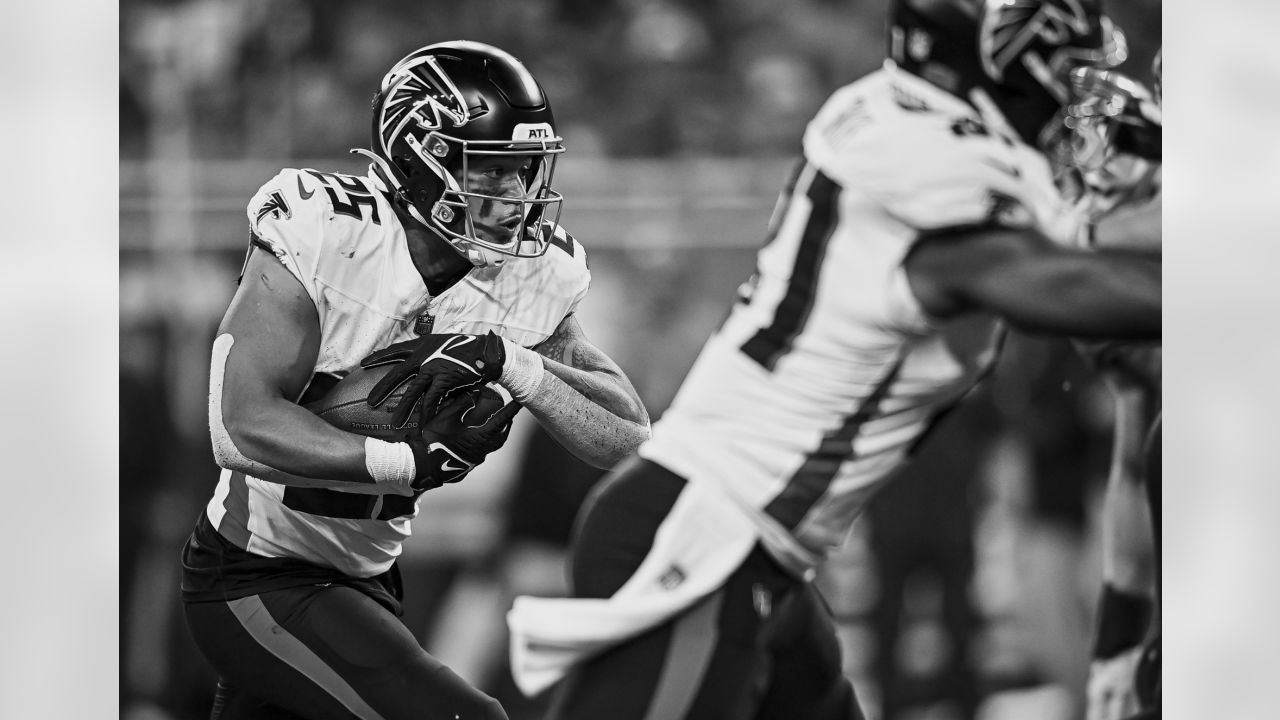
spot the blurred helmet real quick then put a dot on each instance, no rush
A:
(446, 106)
(1016, 52)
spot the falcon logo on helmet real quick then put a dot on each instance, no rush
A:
(417, 90)
(1063, 28)
(1015, 53)
(444, 108)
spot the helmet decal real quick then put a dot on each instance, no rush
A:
(1065, 30)
(1018, 53)
(1012, 25)
(417, 90)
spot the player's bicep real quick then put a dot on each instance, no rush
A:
(274, 331)
(952, 271)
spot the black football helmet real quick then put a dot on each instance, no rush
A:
(438, 110)
(1017, 52)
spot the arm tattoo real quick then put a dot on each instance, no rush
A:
(585, 401)
(556, 348)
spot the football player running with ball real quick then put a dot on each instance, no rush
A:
(922, 222)
(448, 260)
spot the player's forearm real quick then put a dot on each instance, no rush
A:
(589, 429)
(270, 438)
(293, 441)
(1077, 297)
(1133, 229)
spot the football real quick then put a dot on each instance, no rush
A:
(345, 406)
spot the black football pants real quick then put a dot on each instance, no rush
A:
(763, 647)
(325, 652)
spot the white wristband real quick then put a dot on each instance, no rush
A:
(389, 463)
(522, 372)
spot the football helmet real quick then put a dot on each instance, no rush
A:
(445, 107)
(1017, 53)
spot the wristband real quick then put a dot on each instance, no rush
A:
(522, 371)
(1122, 622)
(389, 463)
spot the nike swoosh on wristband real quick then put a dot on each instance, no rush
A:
(304, 193)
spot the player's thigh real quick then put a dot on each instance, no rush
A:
(687, 668)
(617, 525)
(808, 679)
(330, 652)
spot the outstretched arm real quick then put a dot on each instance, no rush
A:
(585, 401)
(1036, 285)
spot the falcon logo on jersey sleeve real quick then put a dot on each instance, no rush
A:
(275, 206)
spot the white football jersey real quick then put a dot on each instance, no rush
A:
(340, 237)
(828, 371)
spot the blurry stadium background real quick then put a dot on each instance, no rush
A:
(967, 590)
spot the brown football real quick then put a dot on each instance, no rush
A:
(345, 406)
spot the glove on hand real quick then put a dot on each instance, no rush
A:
(457, 438)
(434, 366)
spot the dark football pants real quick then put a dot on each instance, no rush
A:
(763, 647)
(325, 652)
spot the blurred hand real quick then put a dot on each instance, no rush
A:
(1111, 694)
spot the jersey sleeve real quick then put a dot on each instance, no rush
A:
(287, 218)
(575, 271)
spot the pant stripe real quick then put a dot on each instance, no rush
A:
(257, 620)
(693, 642)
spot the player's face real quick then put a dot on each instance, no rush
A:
(497, 176)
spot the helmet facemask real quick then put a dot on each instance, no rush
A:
(1111, 137)
(1028, 49)
(528, 197)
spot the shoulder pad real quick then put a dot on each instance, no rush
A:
(928, 167)
(299, 196)
(562, 242)
(568, 257)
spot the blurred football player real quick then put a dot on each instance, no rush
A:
(922, 222)
(1116, 125)
(448, 260)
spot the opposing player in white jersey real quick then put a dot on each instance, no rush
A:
(922, 222)
(447, 255)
